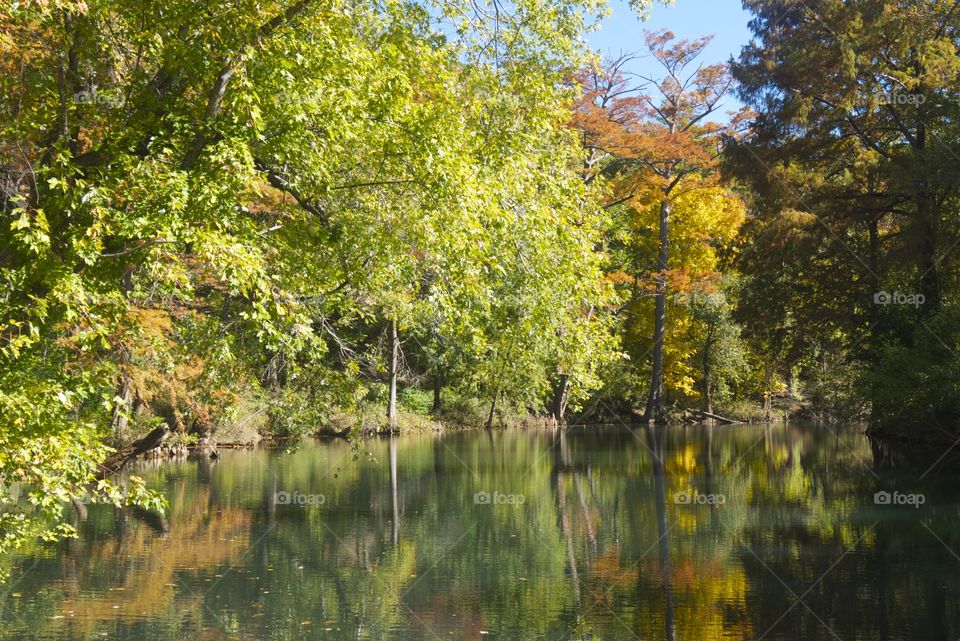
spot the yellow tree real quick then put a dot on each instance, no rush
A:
(657, 143)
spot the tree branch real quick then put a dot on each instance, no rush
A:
(219, 89)
(278, 181)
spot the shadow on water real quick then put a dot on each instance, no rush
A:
(941, 456)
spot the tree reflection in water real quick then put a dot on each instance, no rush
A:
(599, 547)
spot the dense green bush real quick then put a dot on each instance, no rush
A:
(918, 382)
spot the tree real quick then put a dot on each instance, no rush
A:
(655, 148)
(720, 351)
(212, 207)
(852, 160)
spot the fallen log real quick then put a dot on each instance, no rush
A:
(116, 461)
(716, 417)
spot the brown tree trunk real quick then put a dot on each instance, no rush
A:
(437, 398)
(493, 407)
(654, 411)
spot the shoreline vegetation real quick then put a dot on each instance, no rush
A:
(466, 417)
(226, 220)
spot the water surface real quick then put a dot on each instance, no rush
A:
(747, 532)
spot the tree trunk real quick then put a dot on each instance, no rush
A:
(654, 412)
(929, 272)
(493, 407)
(437, 389)
(767, 392)
(124, 390)
(275, 373)
(707, 396)
(120, 416)
(561, 389)
(927, 211)
(394, 372)
(707, 373)
(873, 229)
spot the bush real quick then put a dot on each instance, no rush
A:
(414, 399)
(918, 383)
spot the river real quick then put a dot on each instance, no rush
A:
(780, 532)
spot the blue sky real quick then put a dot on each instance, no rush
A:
(724, 19)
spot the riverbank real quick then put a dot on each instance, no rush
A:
(458, 414)
(256, 428)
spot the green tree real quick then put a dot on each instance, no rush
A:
(210, 207)
(852, 161)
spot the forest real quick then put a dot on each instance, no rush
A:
(226, 222)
